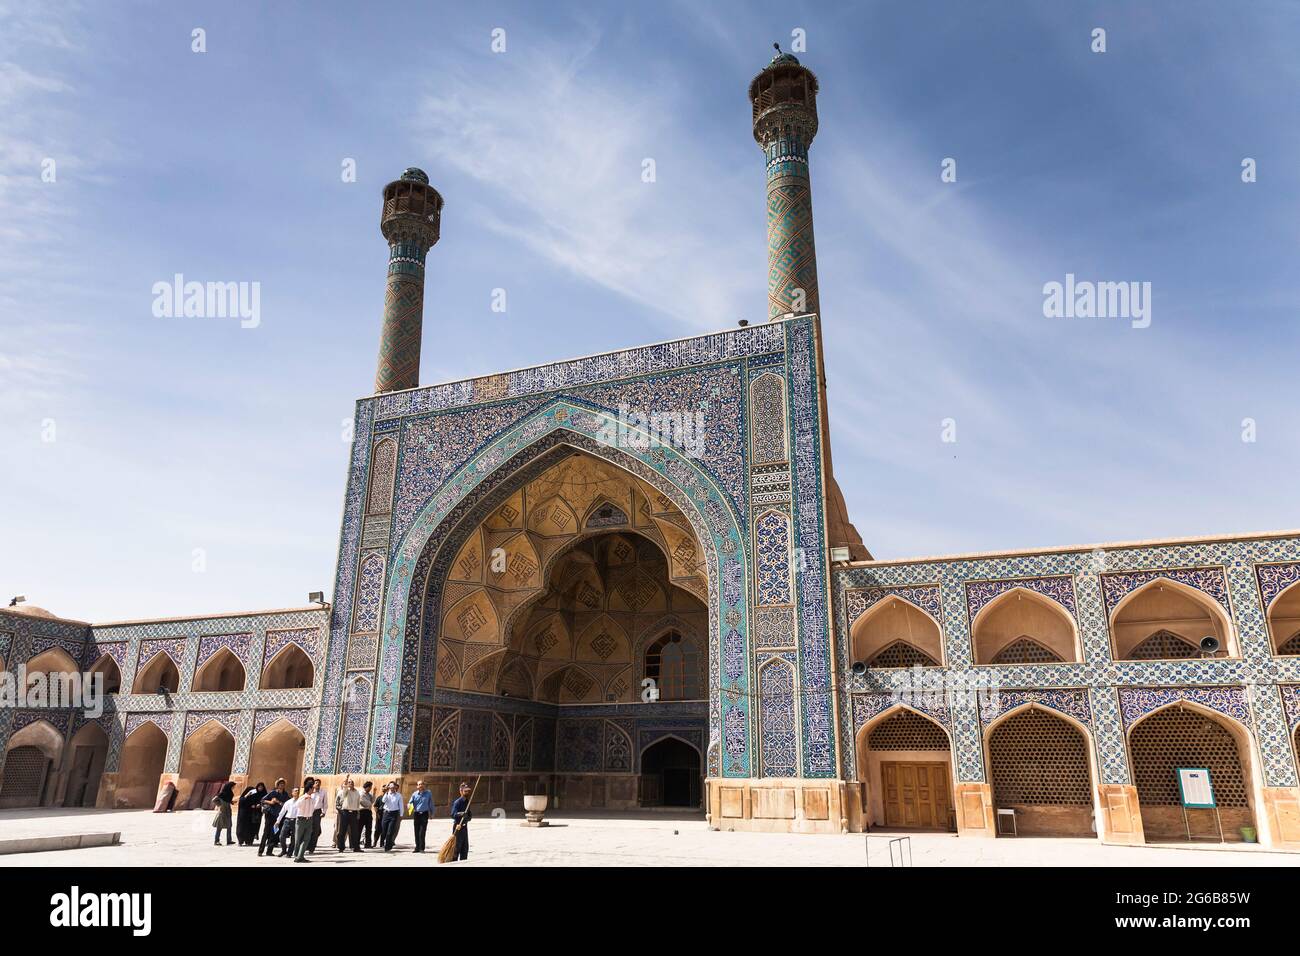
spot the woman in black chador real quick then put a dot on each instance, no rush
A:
(250, 816)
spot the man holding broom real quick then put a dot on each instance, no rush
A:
(460, 817)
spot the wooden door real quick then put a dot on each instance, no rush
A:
(915, 795)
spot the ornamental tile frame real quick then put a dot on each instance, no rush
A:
(1237, 572)
(463, 447)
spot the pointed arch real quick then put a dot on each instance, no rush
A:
(1184, 733)
(140, 766)
(289, 669)
(32, 755)
(160, 672)
(55, 660)
(107, 666)
(1284, 622)
(495, 472)
(223, 672)
(277, 751)
(904, 757)
(207, 757)
(383, 473)
(1042, 764)
(1163, 604)
(892, 620)
(1021, 613)
(778, 733)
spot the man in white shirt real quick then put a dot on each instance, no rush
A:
(319, 802)
(349, 808)
(284, 822)
(392, 803)
(302, 829)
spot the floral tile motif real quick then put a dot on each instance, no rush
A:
(237, 644)
(299, 717)
(778, 726)
(1059, 589)
(860, 600)
(1210, 581)
(1276, 578)
(1073, 703)
(227, 718)
(1136, 702)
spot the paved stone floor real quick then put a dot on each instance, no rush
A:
(649, 839)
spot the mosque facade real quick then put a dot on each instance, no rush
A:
(630, 581)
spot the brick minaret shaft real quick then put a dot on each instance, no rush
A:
(410, 222)
(784, 99)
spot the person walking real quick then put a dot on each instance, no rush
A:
(307, 820)
(284, 824)
(318, 803)
(250, 816)
(392, 809)
(271, 806)
(460, 817)
(365, 815)
(421, 810)
(349, 826)
(221, 818)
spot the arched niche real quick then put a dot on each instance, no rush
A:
(31, 757)
(290, 669)
(277, 752)
(83, 766)
(1175, 615)
(1186, 734)
(1284, 622)
(894, 632)
(140, 767)
(206, 761)
(112, 673)
(222, 672)
(1022, 626)
(1041, 766)
(159, 673)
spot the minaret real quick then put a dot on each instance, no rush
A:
(410, 221)
(784, 96)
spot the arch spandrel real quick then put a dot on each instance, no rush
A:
(488, 480)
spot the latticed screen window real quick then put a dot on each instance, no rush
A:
(1182, 738)
(24, 776)
(1026, 650)
(673, 663)
(907, 731)
(1164, 646)
(1291, 647)
(902, 654)
(1039, 759)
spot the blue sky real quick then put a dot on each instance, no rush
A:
(172, 435)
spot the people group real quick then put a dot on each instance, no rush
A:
(364, 818)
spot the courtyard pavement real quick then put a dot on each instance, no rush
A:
(591, 839)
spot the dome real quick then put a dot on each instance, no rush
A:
(412, 174)
(781, 58)
(31, 610)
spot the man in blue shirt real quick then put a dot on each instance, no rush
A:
(460, 817)
(421, 808)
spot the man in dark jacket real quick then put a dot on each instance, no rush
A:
(460, 817)
(271, 806)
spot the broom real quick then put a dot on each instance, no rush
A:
(448, 851)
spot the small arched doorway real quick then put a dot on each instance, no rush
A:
(140, 768)
(206, 760)
(905, 759)
(1185, 736)
(670, 774)
(85, 766)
